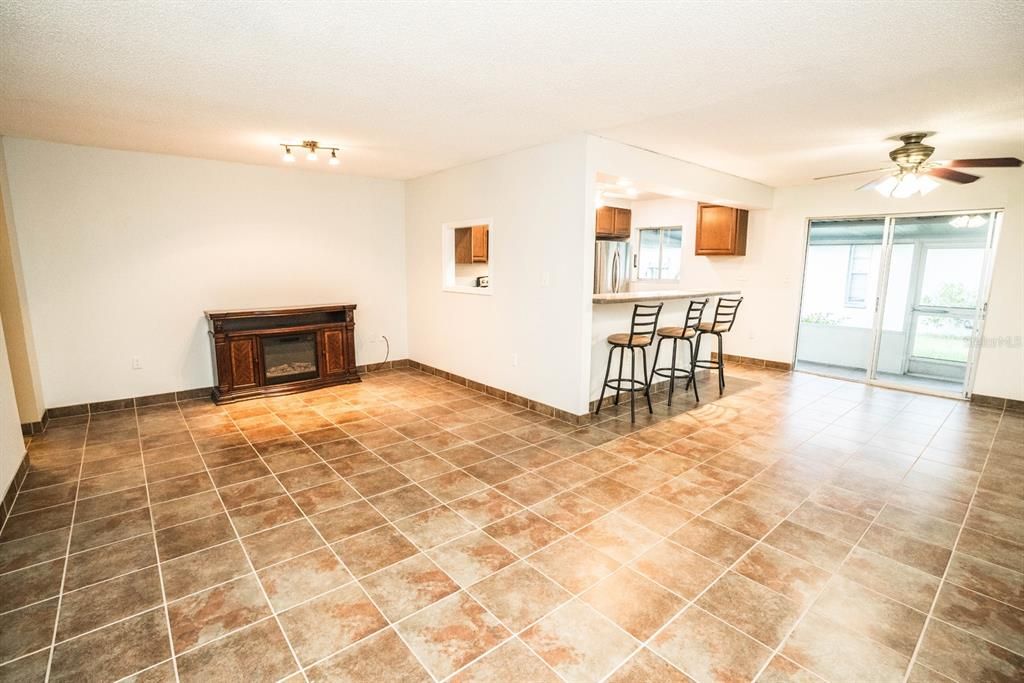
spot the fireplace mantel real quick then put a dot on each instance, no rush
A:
(277, 351)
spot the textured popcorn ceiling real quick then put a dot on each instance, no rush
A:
(774, 92)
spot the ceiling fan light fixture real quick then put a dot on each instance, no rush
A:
(926, 185)
(887, 185)
(907, 186)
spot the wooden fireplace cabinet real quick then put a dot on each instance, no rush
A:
(238, 336)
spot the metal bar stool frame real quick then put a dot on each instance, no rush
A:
(694, 312)
(643, 325)
(725, 316)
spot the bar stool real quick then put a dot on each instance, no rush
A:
(685, 333)
(725, 316)
(641, 334)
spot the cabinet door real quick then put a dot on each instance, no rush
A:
(480, 243)
(606, 221)
(242, 356)
(623, 220)
(463, 245)
(721, 231)
(335, 361)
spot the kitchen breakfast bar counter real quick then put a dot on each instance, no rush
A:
(659, 295)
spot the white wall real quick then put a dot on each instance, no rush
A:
(1001, 364)
(123, 251)
(525, 336)
(12, 446)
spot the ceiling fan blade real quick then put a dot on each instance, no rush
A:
(953, 176)
(840, 175)
(994, 162)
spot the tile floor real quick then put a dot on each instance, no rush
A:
(409, 529)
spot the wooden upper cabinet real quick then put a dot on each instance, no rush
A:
(613, 222)
(721, 231)
(481, 236)
(472, 244)
(606, 221)
(623, 220)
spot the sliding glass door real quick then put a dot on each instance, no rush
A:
(933, 300)
(915, 289)
(837, 310)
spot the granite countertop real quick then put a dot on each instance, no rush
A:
(659, 295)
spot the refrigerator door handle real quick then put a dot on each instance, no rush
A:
(615, 271)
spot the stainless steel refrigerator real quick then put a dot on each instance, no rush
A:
(611, 266)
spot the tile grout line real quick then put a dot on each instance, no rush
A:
(156, 550)
(777, 651)
(642, 491)
(67, 554)
(323, 540)
(642, 644)
(238, 539)
(942, 582)
(848, 456)
(390, 523)
(693, 603)
(461, 589)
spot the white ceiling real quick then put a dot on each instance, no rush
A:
(776, 92)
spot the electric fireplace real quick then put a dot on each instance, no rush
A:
(281, 350)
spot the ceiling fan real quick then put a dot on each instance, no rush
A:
(913, 173)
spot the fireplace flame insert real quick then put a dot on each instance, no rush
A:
(289, 358)
(277, 351)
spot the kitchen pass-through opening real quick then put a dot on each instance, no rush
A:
(466, 261)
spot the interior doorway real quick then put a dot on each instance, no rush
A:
(896, 300)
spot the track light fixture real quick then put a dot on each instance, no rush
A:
(311, 147)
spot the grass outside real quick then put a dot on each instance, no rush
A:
(942, 347)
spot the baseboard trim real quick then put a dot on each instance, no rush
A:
(167, 397)
(7, 502)
(756, 362)
(386, 365)
(30, 428)
(1010, 405)
(515, 399)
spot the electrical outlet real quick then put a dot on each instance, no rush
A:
(136, 363)
(545, 279)
(515, 360)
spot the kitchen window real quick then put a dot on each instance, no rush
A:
(659, 253)
(857, 275)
